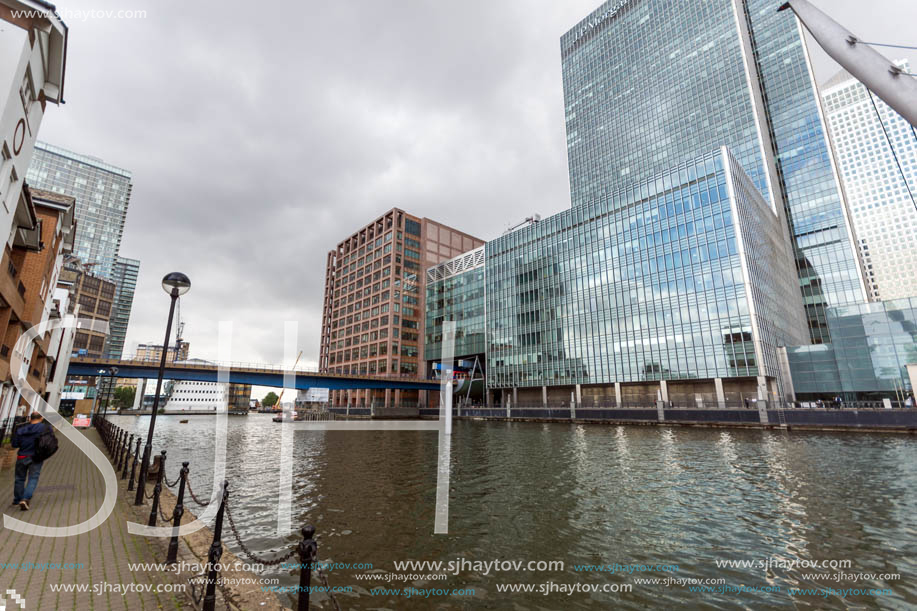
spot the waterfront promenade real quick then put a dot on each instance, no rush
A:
(71, 490)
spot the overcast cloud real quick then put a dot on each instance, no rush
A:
(259, 137)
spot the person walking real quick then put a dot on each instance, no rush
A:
(27, 467)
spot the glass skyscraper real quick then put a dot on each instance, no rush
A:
(649, 84)
(881, 207)
(102, 193)
(125, 277)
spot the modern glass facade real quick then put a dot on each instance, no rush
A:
(871, 345)
(102, 193)
(683, 276)
(649, 84)
(125, 272)
(455, 291)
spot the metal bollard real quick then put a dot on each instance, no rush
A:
(126, 458)
(124, 445)
(130, 484)
(177, 513)
(307, 551)
(157, 489)
(216, 551)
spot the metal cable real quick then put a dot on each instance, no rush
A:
(885, 44)
(892, 148)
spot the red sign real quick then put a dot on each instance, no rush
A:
(81, 422)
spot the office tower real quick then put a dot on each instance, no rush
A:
(649, 84)
(102, 193)
(125, 276)
(680, 287)
(373, 315)
(881, 206)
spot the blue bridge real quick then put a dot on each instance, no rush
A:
(243, 373)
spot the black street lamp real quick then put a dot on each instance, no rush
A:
(175, 284)
(112, 372)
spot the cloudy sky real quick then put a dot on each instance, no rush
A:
(259, 137)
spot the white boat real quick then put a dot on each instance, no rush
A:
(193, 397)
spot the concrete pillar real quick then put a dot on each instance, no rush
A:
(664, 389)
(398, 397)
(579, 395)
(515, 396)
(388, 397)
(720, 394)
(618, 400)
(762, 399)
(138, 396)
(349, 397)
(490, 398)
(544, 396)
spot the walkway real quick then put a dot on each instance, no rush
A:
(70, 490)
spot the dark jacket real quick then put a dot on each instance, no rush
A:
(26, 437)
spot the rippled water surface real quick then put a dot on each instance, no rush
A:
(582, 494)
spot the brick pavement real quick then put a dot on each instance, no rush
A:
(71, 490)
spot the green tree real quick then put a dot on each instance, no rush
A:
(270, 399)
(124, 396)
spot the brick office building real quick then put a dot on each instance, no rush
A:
(95, 297)
(373, 313)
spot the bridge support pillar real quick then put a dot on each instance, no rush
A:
(138, 396)
(618, 400)
(544, 396)
(388, 397)
(398, 397)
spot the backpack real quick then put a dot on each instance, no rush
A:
(45, 446)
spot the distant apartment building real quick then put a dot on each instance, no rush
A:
(153, 352)
(34, 52)
(102, 193)
(375, 291)
(883, 212)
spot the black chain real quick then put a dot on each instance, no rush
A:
(193, 497)
(251, 555)
(324, 580)
(163, 516)
(171, 484)
(150, 495)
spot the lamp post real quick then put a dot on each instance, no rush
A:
(112, 372)
(175, 284)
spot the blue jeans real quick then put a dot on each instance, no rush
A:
(26, 468)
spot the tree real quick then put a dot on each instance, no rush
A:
(270, 399)
(124, 396)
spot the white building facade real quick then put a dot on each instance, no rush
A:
(33, 50)
(884, 215)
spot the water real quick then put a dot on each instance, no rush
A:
(584, 495)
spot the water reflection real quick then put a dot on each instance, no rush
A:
(585, 495)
